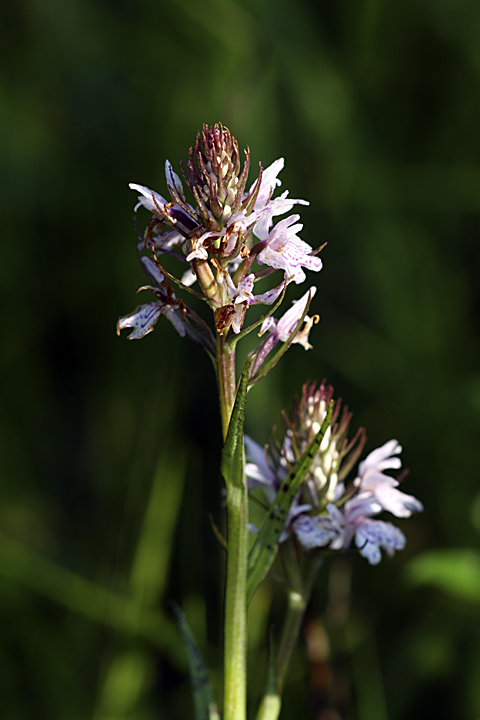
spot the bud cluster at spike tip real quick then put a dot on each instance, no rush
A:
(328, 512)
(225, 237)
(216, 179)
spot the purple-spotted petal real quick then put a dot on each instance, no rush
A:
(285, 251)
(371, 535)
(142, 320)
(313, 532)
(269, 297)
(244, 290)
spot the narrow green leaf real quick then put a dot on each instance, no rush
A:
(265, 548)
(153, 552)
(204, 700)
(232, 454)
(18, 563)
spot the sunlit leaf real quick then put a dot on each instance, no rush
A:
(455, 571)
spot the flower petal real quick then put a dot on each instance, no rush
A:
(285, 251)
(188, 278)
(176, 318)
(277, 206)
(373, 482)
(148, 198)
(291, 318)
(382, 458)
(152, 271)
(398, 503)
(269, 183)
(371, 535)
(142, 320)
(257, 467)
(313, 532)
(269, 297)
(173, 179)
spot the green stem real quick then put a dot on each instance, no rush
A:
(298, 596)
(235, 633)
(235, 639)
(225, 362)
(297, 602)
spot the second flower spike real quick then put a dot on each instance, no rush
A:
(330, 512)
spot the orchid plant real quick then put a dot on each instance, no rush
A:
(224, 238)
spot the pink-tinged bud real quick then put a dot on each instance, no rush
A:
(327, 513)
(214, 173)
(336, 455)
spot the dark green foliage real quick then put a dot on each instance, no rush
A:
(204, 700)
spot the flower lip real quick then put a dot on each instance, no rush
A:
(284, 250)
(371, 480)
(144, 318)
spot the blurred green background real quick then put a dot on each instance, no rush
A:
(109, 449)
